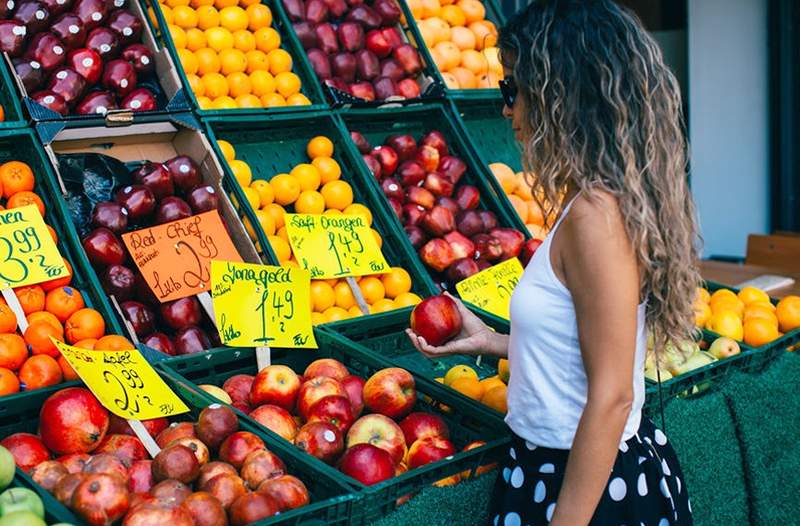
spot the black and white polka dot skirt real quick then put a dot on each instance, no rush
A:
(646, 486)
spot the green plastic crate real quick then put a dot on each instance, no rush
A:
(480, 95)
(332, 501)
(275, 146)
(467, 421)
(300, 66)
(23, 145)
(377, 124)
(9, 99)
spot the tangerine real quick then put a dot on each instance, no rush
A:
(8, 320)
(233, 61)
(67, 372)
(184, 17)
(734, 305)
(25, 198)
(252, 197)
(307, 175)
(40, 371)
(37, 337)
(219, 38)
(233, 18)
(470, 387)
(449, 55)
(178, 36)
(31, 298)
(265, 193)
(317, 318)
(335, 314)
(215, 85)
(195, 39)
(258, 61)
(45, 316)
(223, 103)
(207, 62)
(750, 294)
(431, 8)
(756, 311)
(496, 398)
(337, 194)
(85, 344)
(113, 342)
(188, 61)
(267, 222)
(319, 146)
(466, 78)
(474, 10)
(9, 383)
(396, 282)
(453, 15)
(277, 212)
(13, 351)
(63, 302)
(286, 82)
(207, 17)
(382, 305)
(372, 289)
(329, 169)
(485, 35)
(196, 85)
(273, 100)
(84, 324)
(298, 99)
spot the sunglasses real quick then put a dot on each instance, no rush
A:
(508, 89)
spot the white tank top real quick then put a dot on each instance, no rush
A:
(547, 388)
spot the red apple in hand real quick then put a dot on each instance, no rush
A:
(326, 367)
(390, 392)
(429, 449)
(316, 389)
(276, 385)
(354, 386)
(320, 440)
(367, 464)
(436, 319)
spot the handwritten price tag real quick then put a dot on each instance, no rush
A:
(28, 255)
(334, 246)
(280, 297)
(491, 289)
(174, 258)
(123, 382)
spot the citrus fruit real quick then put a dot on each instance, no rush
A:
(382, 305)
(396, 282)
(264, 189)
(267, 39)
(317, 318)
(8, 320)
(453, 15)
(239, 84)
(309, 202)
(196, 85)
(726, 323)
(9, 383)
(195, 39)
(496, 398)
(63, 302)
(233, 61)
(298, 99)
(188, 61)
(750, 294)
(84, 324)
(286, 82)
(31, 298)
(277, 212)
(788, 313)
(13, 351)
(244, 41)
(344, 296)
(319, 146)
(468, 386)
(280, 61)
(37, 337)
(273, 100)
(262, 81)
(280, 247)
(721, 293)
(204, 103)
(492, 381)
(215, 85)
(233, 18)
(322, 296)
(307, 175)
(207, 62)
(459, 371)
(178, 36)
(40, 371)
(258, 16)
(407, 299)
(287, 189)
(113, 342)
(758, 332)
(359, 209)
(335, 314)
(252, 197)
(207, 17)
(227, 149)
(355, 311)
(372, 289)
(219, 38)
(258, 61)
(224, 103)
(184, 17)
(702, 313)
(266, 221)
(502, 370)
(337, 194)
(758, 310)
(329, 169)
(734, 305)
(241, 171)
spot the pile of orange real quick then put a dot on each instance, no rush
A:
(748, 316)
(231, 54)
(461, 41)
(2, 113)
(519, 192)
(29, 360)
(490, 391)
(317, 188)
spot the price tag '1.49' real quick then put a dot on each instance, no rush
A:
(335, 246)
(262, 305)
(28, 255)
(491, 289)
(123, 382)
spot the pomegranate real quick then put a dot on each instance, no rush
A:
(72, 421)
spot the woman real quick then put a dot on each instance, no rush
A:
(597, 113)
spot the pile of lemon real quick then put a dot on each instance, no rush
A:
(231, 54)
(316, 188)
(748, 316)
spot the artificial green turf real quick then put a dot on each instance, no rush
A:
(703, 434)
(766, 410)
(465, 504)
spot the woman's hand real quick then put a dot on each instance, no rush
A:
(475, 338)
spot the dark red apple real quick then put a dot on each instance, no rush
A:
(436, 319)
(461, 269)
(388, 159)
(119, 281)
(391, 68)
(408, 58)
(104, 42)
(487, 247)
(365, 16)
(367, 64)
(87, 63)
(305, 33)
(344, 65)
(126, 24)
(93, 13)
(468, 197)
(140, 316)
(412, 214)
(438, 221)
(337, 83)
(56, 7)
(47, 50)
(429, 449)
(336, 7)
(408, 88)
(70, 30)
(101, 499)
(510, 241)
(140, 99)
(469, 223)
(30, 73)
(103, 248)
(156, 177)
(452, 167)
(334, 409)
(404, 145)
(437, 254)
(363, 90)
(326, 38)
(27, 449)
(416, 236)
(391, 188)
(420, 196)
(372, 163)
(295, 9)
(489, 220)
(238, 387)
(410, 173)
(320, 63)
(160, 342)
(428, 157)
(321, 440)
(351, 36)
(33, 15)
(252, 507)
(237, 446)
(67, 83)
(182, 313)
(12, 37)
(397, 206)
(528, 250)
(203, 199)
(388, 11)
(191, 340)
(436, 139)
(361, 142)
(184, 172)
(119, 76)
(449, 203)
(171, 209)
(52, 101)
(462, 247)
(377, 43)
(316, 11)
(97, 102)
(438, 184)
(354, 387)
(367, 464)
(385, 87)
(138, 200)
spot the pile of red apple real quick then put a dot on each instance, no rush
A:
(78, 56)
(440, 213)
(321, 413)
(161, 193)
(92, 462)
(357, 47)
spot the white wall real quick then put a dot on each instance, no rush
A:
(728, 120)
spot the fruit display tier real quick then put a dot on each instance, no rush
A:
(438, 191)
(78, 60)
(11, 115)
(360, 52)
(280, 146)
(235, 57)
(331, 501)
(141, 181)
(459, 38)
(466, 420)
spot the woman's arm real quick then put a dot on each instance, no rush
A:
(600, 269)
(475, 338)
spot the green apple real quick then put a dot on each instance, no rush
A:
(21, 518)
(724, 347)
(653, 375)
(62, 524)
(6, 468)
(21, 499)
(695, 361)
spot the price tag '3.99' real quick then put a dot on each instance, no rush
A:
(174, 258)
(491, 289)
(262, 305)
(28, 255)
(335, 246)
(123, 382)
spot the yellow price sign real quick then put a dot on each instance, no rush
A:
(491, 289)
(280, 298)
(28, 255)
(331, 247)
(123, 382)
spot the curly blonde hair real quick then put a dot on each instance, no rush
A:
(603, 112)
